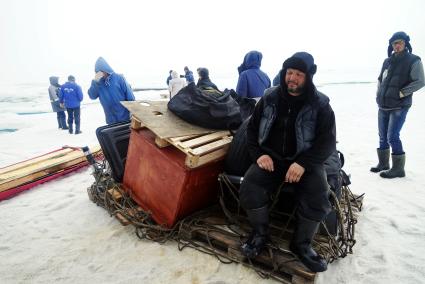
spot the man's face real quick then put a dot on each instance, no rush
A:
(398, 45)
(295, 80)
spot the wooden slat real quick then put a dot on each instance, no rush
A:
(42, 165)
(39, 174)
(210, 146)
(35, 160)
(196, 161)
(224, 242)
(181, 138)
(116, 195)
(203, 139)
(42, 168)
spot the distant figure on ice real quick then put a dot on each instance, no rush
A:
(54, 101)
(290, 135)
(176, 83)
(188, 75)
(204, 81)
(110, 88)
(401, 75)
(169, 77)
(71, 97)
(252, 81)
(276, 80)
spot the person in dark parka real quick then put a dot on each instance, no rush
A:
(252, 81)
(54, 101)
(204, 81)
(401, 75)
(290, 135)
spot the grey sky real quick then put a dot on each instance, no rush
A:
(144, 39)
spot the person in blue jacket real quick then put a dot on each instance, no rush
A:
(252, 81)
(71, 97)
(110, 88)
(188, 75)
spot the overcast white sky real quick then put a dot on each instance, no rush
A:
(144, 39)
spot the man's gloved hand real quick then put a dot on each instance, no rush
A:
(98, 76)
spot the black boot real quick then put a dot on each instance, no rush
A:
(77, 129)
(384, 161)
(259, 219)
(397, 170)
(301, 244)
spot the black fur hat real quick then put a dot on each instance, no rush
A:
(302, 61)
(399, 36)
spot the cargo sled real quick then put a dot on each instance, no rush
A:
(174, 189)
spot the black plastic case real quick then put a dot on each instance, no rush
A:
(113, 140)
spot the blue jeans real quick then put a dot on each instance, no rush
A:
(390, 123)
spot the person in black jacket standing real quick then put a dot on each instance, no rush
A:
(401, 75)
(290, 135)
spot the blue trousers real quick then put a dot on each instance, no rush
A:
(74, 115)
(390, 123)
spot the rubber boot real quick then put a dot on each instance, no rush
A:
(259, 219)
(384, 161)
(301, 244)
(397, 170)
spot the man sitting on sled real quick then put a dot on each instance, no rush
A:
(290, 135)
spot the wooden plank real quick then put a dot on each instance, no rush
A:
(43, 168)
(211, 146)
(16, 166)
(181, 138)
(203, 139)
(39, 174)
(156, 116)
(196, 161)
(231, 244)
(296, 279)
(116, 195)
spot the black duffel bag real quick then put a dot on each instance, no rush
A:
(200, 107)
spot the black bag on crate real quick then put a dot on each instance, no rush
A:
(200, 107)
(113, 140)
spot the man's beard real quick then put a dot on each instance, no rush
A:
(297, 90)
